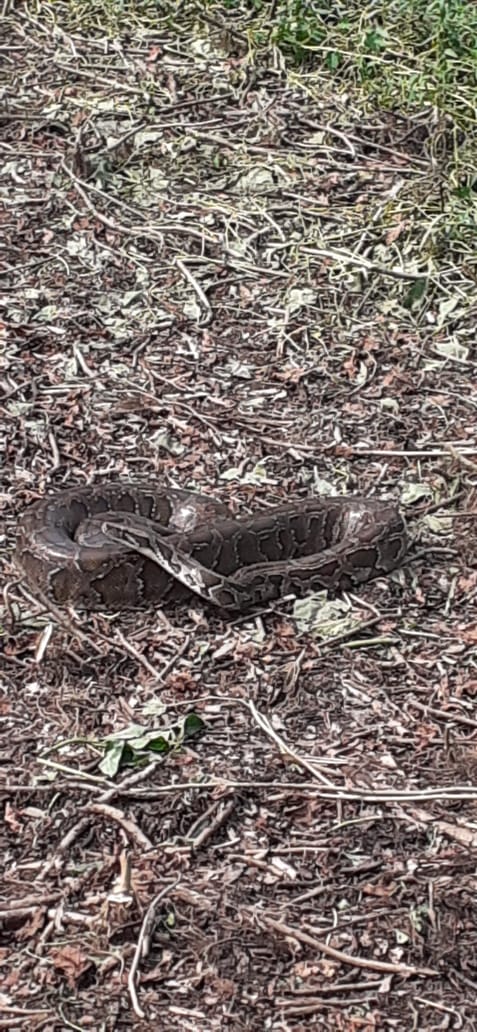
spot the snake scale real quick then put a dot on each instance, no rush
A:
(120, 545)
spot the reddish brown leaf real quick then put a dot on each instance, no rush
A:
(71, 962)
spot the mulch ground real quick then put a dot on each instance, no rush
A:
(209, 283)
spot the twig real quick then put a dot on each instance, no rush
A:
(350, 258)
(446, 715)
(143, 944)
(138, 656)
(65, 844)
(431, 453)
(198, 289)
(198, 837)
(129, 826)
(285, 749)
(332, 793)
(61, 618)
(30, 902)
(345, 958)
(129, 782)
(438, 1005)
(461, 458)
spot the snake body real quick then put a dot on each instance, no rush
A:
(120, 545)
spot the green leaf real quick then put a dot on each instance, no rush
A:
(416, 293)
(126, 733)
(193, 725)
(161, 744)
(333, 61)
(112, 760)
(133, 745)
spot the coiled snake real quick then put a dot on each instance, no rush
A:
(118, 545)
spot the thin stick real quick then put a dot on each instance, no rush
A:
(345, 958)
(198, 289)
(142, 946)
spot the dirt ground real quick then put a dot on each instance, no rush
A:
(215, 276)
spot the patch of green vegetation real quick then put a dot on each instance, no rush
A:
(403, 53)
(413, 62)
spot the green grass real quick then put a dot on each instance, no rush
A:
(400, 72)
(404, 54)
